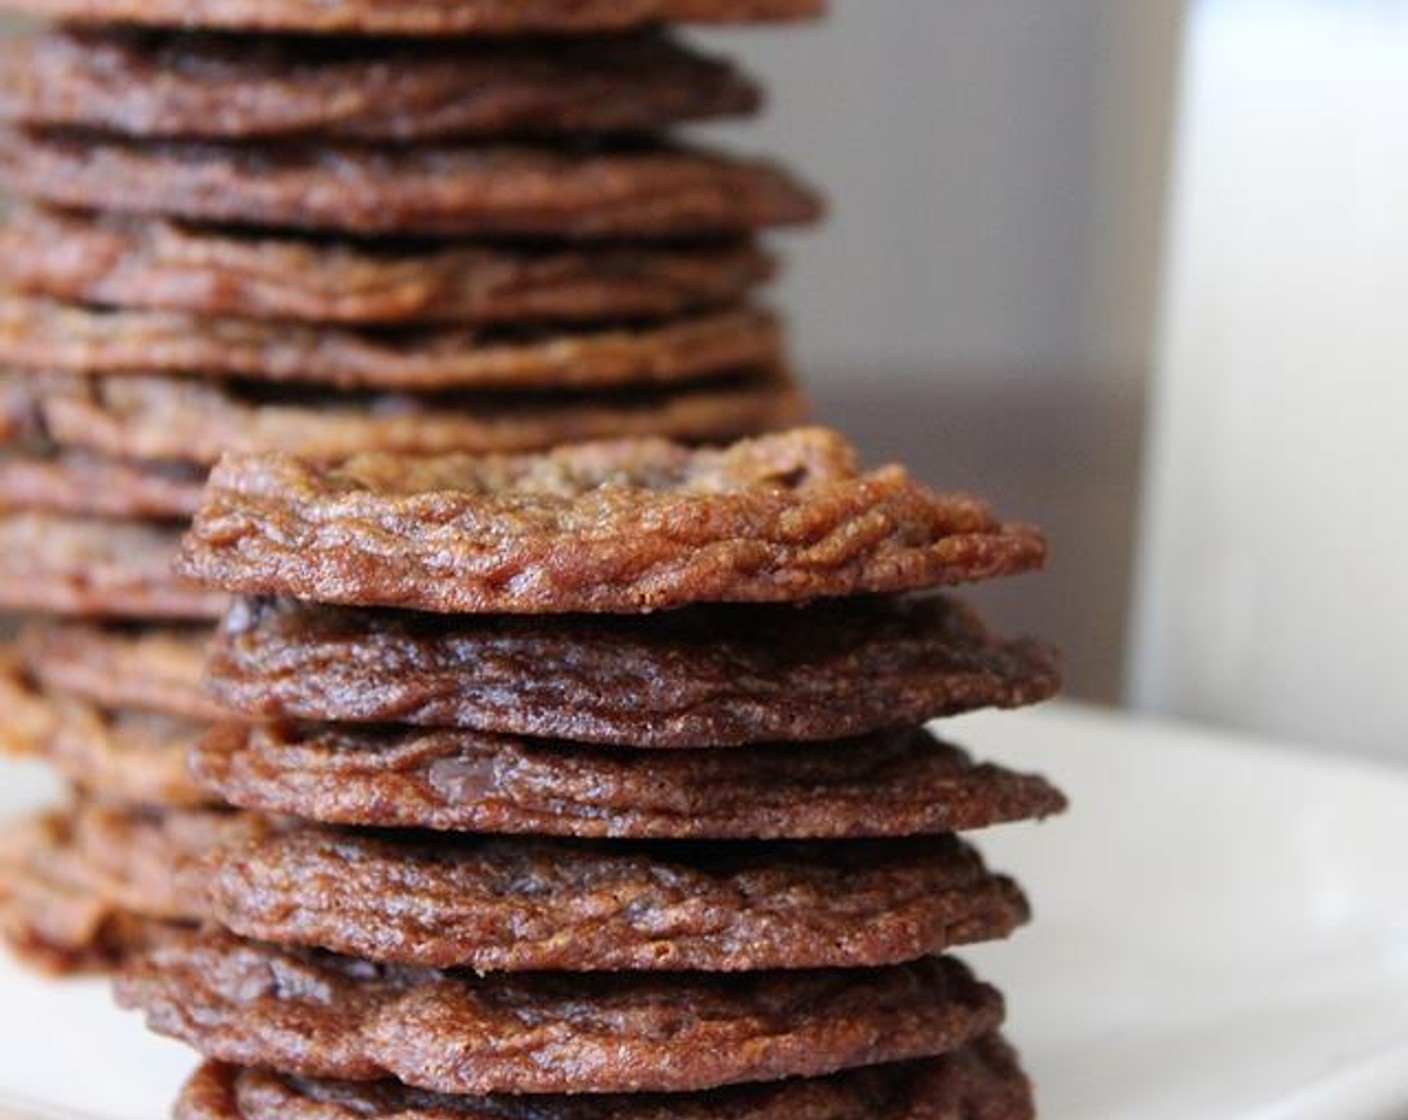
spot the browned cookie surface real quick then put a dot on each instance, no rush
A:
(152, 669)
(458, 1032)
(422, 17)
(163, 265)
(96, 568)
(618, 527)
(482, 191)
(129, 757)
(981, 1081)
(701, 677)
(528, 904)
(55, 911)
(184, 420)
(77, 482)
(896, 784)
(160, 84)
(45, 334)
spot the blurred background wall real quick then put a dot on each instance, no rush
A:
(982, 301)
(980, 304)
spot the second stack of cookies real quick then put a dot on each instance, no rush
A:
(596, 787)
(284, 235)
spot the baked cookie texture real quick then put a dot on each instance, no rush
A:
(163, 85)
(903, 783)
(158, 264)
(652, 525)
(979, 1081)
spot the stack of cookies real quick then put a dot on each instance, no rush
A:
(593, 784)
(324, 227)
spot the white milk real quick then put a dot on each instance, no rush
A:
(1274, 578)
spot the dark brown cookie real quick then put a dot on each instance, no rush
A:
(898, 784)
(151, 669)
(153, 263)
(76, 482)
(702, 677)
(44, 334)
(514, 904)
(479, 191)
(618, 527)
(130, 757)
(164, 84)
(456, 1032)
(93, 568)
(53, 915)
(179, 419)
(421, 17)
(981, 1081)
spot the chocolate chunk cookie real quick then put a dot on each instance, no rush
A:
(643, 192)
(165, 84)
(163, 265)
(513, 904)
(54, 913)
(77, 482)
(896, 784)
(620, 527)
(91, 568)
(131, 757)
(700, 677)
(421, 17)
(183, 420)
(152, 669)
(44, 334)
(28, 718)
(980, 1081)
(455, 1032)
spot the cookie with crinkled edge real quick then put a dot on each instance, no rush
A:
(95, 568)
(710, 676)
(493, 191)
(150, 668)
(421, 17)
(78, 482)
(173, 266)
(515, 904)
(53, 916)
(623, 526)
(320, 1015)
(127, 757)
(44, 334)
(895, 784)
(161, 84)
(980, 1081)
(184, 420)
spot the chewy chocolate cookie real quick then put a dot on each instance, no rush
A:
(624, 526)
(95, 568)
(503, 191)
(421, 17)
(980, 1081)
(496, 904)
(186, 420)
(895, 784)
(77, 482)
(126, 261)
(157, 669)
(707, 676)
(164, 84)
(319, 1015)
(44, 334)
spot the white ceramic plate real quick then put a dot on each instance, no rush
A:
(1222, 932)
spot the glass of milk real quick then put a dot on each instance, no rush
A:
(1273, 588)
